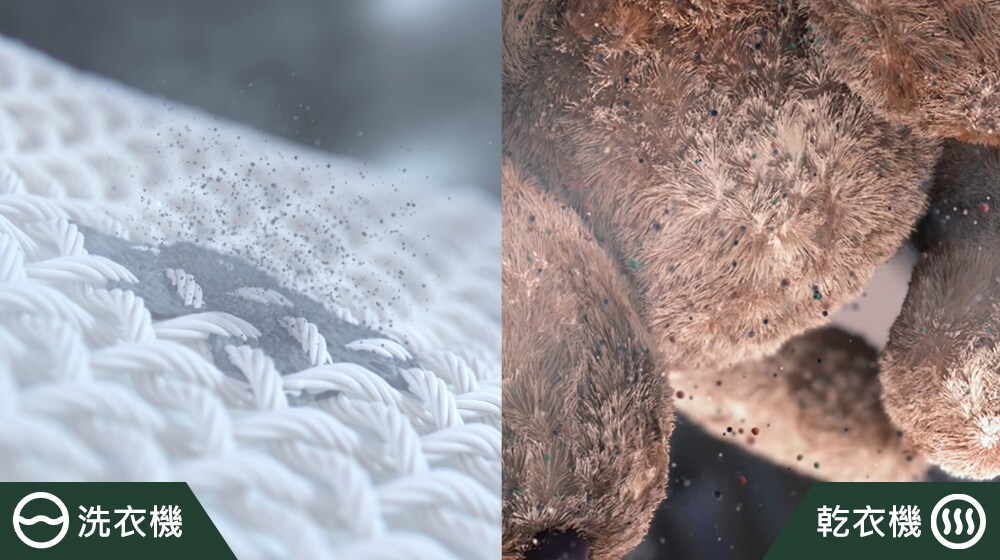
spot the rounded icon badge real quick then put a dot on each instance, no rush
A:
(62, 519)
(958, 521)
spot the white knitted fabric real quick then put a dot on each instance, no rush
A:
(328, 462)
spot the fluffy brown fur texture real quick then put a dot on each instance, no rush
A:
(746, 192)
(587, 410)
(525, 21)
(932, 64)
(941, 365)
(814, 406)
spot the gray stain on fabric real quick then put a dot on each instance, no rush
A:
(233, 286)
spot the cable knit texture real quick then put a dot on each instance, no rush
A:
(312, 345)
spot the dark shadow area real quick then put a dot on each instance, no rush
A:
(724, 503)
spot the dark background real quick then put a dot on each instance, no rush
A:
(741, 523)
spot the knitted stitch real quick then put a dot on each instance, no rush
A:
(362, 423)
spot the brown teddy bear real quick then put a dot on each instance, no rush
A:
(718, 177)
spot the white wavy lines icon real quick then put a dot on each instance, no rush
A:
(951, 521)
(957, 512)
(39, 519)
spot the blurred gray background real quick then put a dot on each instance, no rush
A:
(409, 84)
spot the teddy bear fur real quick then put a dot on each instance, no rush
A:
(722, 171)
(931, 64)
(587, 410)
(940, 366)
(746, 166)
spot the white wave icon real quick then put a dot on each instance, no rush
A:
(20, 521)
(40, 519)
(957, 522)
(969, 524)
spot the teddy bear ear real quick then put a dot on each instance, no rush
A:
(941, 366)
(585, 398)
(930, 64)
